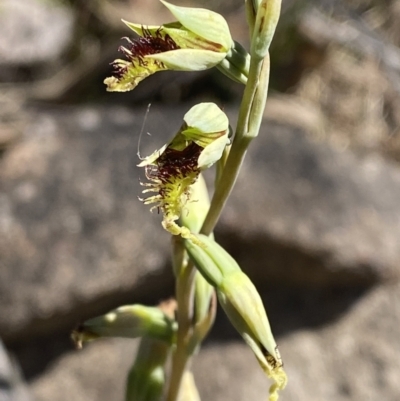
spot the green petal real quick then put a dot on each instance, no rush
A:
(153, 157)
(138, 28)
(207, 117)
(205, 23)
(189, 59)
(212, 152)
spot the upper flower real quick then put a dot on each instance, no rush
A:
(198, 40)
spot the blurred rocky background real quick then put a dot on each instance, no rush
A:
(314, 218)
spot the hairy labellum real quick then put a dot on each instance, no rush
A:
(143, 46)
(171, 178)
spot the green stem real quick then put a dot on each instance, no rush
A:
(250, 117)
(184, 295)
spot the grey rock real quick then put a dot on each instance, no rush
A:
(352, 357)
(75, 241)
(98, 372)
(33, 31)
(12, 387)
(312, 214)
(74, 238)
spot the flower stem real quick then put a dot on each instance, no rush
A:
(250, 117)
(181, 356)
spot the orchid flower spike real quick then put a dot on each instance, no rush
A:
(198, 40)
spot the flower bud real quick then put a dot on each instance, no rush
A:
(266, 21)
(199, 40)
(243, 306)
(213, 262)
(129, 321)
(241, 303)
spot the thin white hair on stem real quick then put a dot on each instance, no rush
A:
(141, 131)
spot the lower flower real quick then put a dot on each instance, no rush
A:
(172, 170)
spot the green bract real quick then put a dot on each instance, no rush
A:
(199, 40)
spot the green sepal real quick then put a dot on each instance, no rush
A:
(204, 23)
(130, 321)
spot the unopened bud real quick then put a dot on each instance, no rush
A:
(266, 21)
(241, 303)
(129, 321)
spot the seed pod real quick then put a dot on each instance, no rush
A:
(204, 263)
(243, 306)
